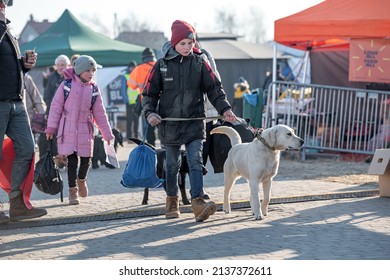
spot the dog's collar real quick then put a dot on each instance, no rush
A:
(262, 140)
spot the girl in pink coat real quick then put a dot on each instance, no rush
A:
(76, 106)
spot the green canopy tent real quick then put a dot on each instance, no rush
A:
(69, 36)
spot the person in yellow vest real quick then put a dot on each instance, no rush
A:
(137, 81)
(240, 88)
(129, 96)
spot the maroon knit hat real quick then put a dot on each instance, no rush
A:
(182, 30)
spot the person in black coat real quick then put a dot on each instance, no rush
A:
(178, 83)
(15, 121)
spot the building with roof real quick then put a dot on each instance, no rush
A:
(33, 29)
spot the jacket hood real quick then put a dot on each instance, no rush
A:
(168, 52)
(69, 73)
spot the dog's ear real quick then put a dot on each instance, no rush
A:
(270, 136)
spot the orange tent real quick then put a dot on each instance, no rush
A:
(332, 23)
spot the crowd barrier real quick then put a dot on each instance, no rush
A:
(335, 119)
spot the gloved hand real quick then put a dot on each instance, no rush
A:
(230, 116)
(153, 119)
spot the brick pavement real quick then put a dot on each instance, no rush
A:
(351, 228)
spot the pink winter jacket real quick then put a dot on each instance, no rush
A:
(73, 121)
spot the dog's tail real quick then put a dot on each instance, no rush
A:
(233, 135)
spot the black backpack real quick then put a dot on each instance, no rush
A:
(47, 177)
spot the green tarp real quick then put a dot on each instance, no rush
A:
(69, 36)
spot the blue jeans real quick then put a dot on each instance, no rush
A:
(195, 164)
(15, 124)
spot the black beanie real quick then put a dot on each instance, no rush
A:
(148, 55)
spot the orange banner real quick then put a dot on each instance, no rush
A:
(369, 60)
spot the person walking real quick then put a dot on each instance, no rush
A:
(34, 101)
(137, 80)
(35, 106)
(176, 88)
(72, 117)
(14, 120)
(129, 96)
(62, 62)
(240, 88)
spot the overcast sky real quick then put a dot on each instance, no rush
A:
(159, 13)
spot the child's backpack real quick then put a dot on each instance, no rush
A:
(68, 86)
(140, 170)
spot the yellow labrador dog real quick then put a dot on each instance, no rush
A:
(257, 162)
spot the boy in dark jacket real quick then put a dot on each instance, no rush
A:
(178, 83)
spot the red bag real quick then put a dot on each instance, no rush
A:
(6, 162)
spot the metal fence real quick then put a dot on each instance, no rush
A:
(332, 118)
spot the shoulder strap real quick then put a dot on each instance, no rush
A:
(95, 93)
(200, 62)
(68, 86)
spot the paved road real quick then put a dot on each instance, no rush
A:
(313, 222)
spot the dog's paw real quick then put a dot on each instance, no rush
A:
(259, 217)
(186, 202)
(109, 165)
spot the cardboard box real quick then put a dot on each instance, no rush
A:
(380, 165)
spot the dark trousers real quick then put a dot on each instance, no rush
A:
(73, 162)
(131, 122)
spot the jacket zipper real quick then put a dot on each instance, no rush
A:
(181, 88)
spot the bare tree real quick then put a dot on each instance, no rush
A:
(255, 32)
(225, 21)
(130, 23)
(134, 24)
(95, 24)
(250, 26)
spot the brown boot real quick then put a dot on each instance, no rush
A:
(4, 219)
(172, 207)
(18, 210)
(83, 188)
(202, 210)
(74, 196)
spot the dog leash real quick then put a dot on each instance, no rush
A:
(239, 120)
(193, 119)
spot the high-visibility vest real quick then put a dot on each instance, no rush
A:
(131, 93)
